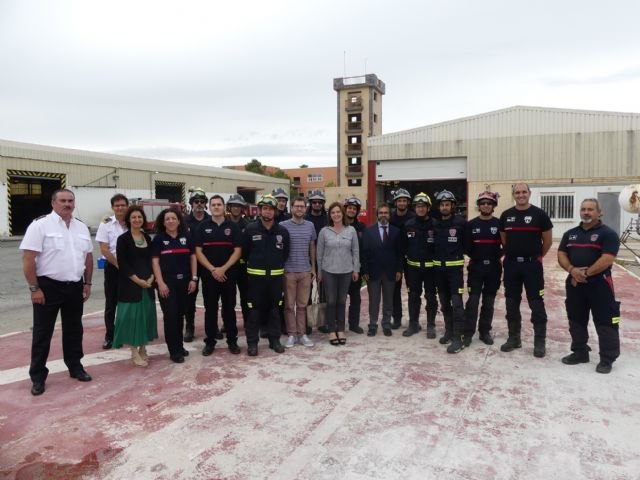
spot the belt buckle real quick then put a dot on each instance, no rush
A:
(180, 276)
(520, 259)
(486, 262)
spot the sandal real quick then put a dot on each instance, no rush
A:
(335, 341)
(341, 340)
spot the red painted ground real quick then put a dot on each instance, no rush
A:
(378, 408)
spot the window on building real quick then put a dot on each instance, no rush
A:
(355, 118)
(355, 182)
(315, 177)
(355, 160)
(375, 118)
(559, 206)
(355, 139)
(375, 96)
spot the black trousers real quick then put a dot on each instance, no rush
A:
(397, 301)
(212, 291)
(355, 301)
(264, 300)
(190, 309)
(173, 308)
(419, 279)
(483, 279)
(450, 283)
(242, 282)
(110, 299)
(596, 296)
(530, 275)
(66, 298)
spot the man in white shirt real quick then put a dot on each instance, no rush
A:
(107, 237)
(58, 266)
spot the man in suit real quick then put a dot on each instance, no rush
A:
(381, 268)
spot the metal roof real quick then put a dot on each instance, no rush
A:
(84, 157)
(514, 121)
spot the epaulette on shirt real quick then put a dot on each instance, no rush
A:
(39, 218)
(78, 219)
(106, 220)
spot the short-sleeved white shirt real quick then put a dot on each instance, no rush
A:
(109, 231)
(62, 250)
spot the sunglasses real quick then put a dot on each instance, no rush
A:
(485, 203)
(201, 202)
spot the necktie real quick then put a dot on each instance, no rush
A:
(385, 235)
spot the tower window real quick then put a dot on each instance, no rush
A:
(375, 118)
(375, 96)
(355, 182)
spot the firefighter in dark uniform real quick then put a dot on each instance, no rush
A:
(265, 249)
(449, 266)
(218, 249)
(281, 198)
(418, 249)
(484, 248)
(352, 207)
(526, 236)
(235, 205)
(587, 253)
(401, 199)
(198, 214)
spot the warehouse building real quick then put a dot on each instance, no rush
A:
(30, 173)
(564, 155)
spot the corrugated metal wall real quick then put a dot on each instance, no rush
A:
(524, 143)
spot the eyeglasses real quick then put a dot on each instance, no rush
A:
(316, 202)
(485, 203)
(201, 202)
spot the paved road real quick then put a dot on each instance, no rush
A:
(15, 301)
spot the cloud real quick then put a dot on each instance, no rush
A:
(258, 150)
(632, 73)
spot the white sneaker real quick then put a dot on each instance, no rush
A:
(306, 341)
(291, 341)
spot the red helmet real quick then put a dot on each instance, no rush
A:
(487, 195)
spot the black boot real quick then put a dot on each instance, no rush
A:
(276, 346)
(456, 344)
(513, 341)
(448, 331)
(413, 329)
(189, 330)
(539, 340)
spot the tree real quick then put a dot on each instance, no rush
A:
(330, 184)
(280, 174)
(255, 166)
(304, 165)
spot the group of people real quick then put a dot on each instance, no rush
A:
(273, 262)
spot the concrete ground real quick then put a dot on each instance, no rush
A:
(377, 408)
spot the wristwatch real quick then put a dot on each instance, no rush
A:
(194, 278)
(34, 288)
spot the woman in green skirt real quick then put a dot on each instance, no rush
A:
(136, 322)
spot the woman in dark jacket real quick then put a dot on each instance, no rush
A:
(136, 322)
(174, 266)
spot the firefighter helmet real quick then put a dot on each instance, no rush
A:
(401, 193)
(237, 199)
(487, 195)
(268, 200)
(352, 200)
(445, 195)
(197, 194)
(317, 195)
(280, 193)
(422, 198)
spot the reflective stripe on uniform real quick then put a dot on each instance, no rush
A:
(419, 264)
(615, 320)
(255, 271)
(449, 263)
(541, 293)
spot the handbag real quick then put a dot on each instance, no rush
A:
(316, 312)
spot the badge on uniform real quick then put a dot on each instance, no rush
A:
(528, 219)
(279, 238)
(573, 237)
(165, 242)
(594, 237)
(256, 238)
(208, 230)
(227, 231)
(511, 219)
(411, 234)
(183, 240)
(475, 230)
(452, 232)
(494, 230)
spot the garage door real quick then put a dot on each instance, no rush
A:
(426, 168)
